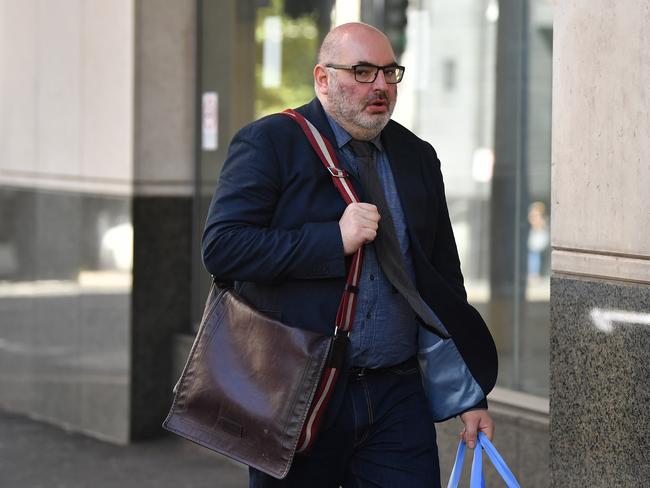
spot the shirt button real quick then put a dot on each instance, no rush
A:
(372, 277)
(368, 315)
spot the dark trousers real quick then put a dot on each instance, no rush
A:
(383, 436)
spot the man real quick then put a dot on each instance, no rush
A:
(280, 230)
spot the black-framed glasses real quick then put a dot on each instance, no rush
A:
(367, 73)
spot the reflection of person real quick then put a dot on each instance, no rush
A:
(279, 229)
(538, 238)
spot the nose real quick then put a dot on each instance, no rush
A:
(380, 81)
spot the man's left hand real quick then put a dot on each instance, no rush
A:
(476, 421)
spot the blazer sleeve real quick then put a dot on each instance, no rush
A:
(239, 242)
(445, 253)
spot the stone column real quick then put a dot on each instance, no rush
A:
(600, 292)
(163, 180)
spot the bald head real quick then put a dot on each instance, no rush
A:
(362, 108)
(339, 39)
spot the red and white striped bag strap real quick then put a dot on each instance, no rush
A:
(327, 155)
(345, 314)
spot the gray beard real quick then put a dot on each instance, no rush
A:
(352, 118)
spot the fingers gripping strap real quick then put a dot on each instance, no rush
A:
(476, 478)
(345, 313)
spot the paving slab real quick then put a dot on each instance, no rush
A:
(37, 455)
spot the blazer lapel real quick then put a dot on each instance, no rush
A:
(411, 186)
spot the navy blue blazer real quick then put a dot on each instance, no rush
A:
(272, 228)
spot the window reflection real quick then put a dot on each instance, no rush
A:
(51, 241)
(538, 241)
(65, 303)
(287, 36)
(116, 248)
(478, 88)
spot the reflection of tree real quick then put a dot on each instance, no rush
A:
(303, 26)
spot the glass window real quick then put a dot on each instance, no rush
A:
(287, 40)
(478, 87)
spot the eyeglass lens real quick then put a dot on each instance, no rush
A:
(368, 74)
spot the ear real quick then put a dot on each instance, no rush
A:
(321, 79)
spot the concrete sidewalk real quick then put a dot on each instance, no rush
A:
(35, 455)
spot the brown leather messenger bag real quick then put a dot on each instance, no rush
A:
(253, 388)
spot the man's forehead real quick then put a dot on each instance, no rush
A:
(368, 50)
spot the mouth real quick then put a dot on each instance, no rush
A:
(377, 105)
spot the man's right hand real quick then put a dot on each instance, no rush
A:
(358, 226)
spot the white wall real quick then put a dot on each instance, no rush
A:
(601, 143)
(98, 95)
(66, 85)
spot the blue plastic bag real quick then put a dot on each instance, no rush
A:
(476, 479)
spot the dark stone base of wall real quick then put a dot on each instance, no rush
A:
(65, 309)
(600, 387)
(161, 304)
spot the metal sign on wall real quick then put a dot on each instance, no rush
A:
(210, 121)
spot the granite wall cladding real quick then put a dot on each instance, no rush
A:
(600, 383)
(53, 235)
(161, 304)
(65, 292)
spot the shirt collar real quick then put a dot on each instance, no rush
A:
(343, 137)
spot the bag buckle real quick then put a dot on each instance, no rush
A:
(338, 347)
(337, 172)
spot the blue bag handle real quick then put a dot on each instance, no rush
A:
(476, 479)
(454, 479)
